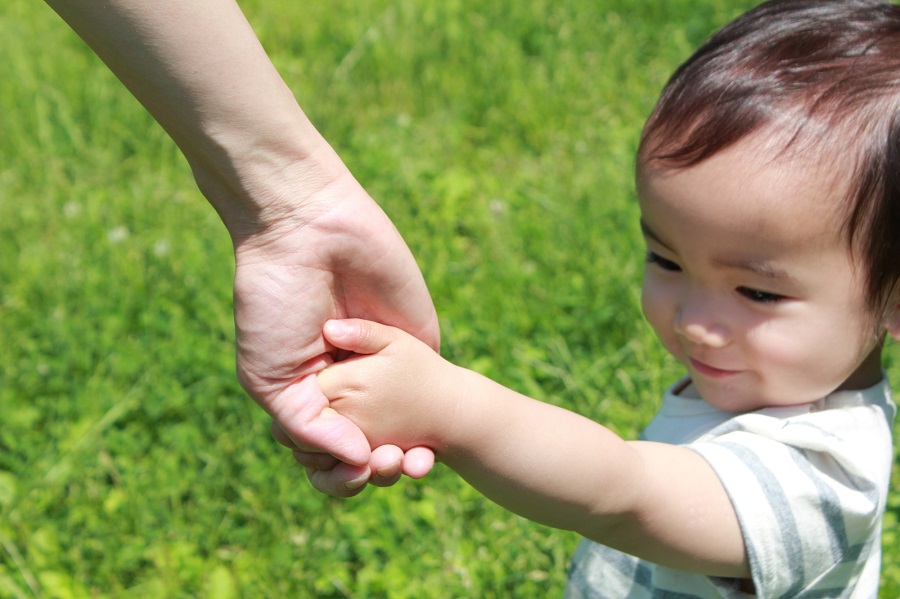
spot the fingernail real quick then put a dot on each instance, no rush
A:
(388, 471)
(355, 483)
(336, 327)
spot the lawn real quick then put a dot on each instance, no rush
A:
(498, 136)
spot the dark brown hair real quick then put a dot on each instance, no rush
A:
(827, 73)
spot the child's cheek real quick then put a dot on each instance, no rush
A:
(659, 304)
(790, 362)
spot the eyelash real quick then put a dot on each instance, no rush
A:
(654, 258)
(754, 295)
(760, 297)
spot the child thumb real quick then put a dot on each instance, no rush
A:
(357, 335)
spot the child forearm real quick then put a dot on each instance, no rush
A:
(555, 467)
(545, 463)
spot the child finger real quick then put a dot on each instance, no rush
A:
(357, 335)
(418, 462)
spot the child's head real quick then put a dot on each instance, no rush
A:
(779, 137)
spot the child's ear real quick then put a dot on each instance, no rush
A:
(892, 322)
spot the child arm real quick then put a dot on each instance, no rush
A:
(660, 502)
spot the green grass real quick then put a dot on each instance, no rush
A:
(498, 136)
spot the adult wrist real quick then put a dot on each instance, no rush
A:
(263, 187)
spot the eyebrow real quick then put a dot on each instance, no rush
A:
(758, 267)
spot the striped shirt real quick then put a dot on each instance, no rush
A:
(809, 486)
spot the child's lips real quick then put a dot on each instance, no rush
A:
(711, 371)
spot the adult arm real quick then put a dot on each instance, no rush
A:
(309, 243)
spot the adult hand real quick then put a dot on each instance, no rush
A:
(338, 256)
(310, 244)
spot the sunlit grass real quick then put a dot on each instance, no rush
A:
(498, 136)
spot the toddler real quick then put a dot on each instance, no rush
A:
(768, 178)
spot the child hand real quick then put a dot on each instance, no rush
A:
(394, 388)
(386, 462)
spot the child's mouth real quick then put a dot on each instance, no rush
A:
(710, 371)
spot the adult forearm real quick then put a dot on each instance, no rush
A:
(198, 68)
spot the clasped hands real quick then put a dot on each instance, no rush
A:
(340, 257)
(383, 386)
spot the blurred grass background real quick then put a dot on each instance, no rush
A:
(498, 136)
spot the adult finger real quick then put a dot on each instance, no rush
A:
(312, 459)
(309, 459)
(304, 415)
(280, 436)
(343, 480)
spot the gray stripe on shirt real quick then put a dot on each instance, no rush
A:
(780, 505)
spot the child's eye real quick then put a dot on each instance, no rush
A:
(654, 258)
(761, 297)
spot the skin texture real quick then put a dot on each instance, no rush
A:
(660, 502)
(751, 285)
(310, 244)
(762, 303)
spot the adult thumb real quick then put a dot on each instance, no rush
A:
(357, 335)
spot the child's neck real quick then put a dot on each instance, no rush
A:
(867, 374)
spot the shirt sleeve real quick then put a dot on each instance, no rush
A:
(809, 492)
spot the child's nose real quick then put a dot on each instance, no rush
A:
(699, 322)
